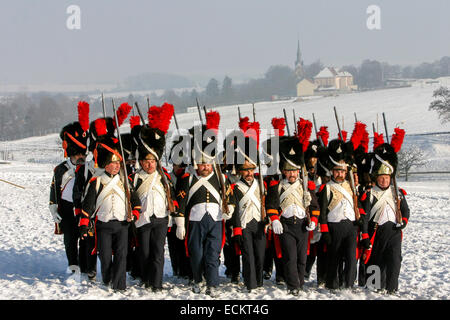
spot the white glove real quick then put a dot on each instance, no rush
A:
(54, 211)
(277, 227)
(311, 226)
(307, 198)
(181, 230)
(230, 213)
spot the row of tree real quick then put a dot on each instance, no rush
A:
(25, 115)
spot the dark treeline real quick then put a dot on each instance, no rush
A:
(25, 115)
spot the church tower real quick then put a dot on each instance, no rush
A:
(299, 71)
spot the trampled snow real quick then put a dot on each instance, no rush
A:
(32, 259)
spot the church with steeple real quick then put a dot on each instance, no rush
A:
(299, 69)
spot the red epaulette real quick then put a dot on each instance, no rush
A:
(232, 186)
(273, 183)
(364, 196)
(403, 191)
(92, 179)
(185, 175)
(311, 185)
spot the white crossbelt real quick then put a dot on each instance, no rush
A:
(203, 181)
(249, 196)
(381, 204)
(109, 188)
(292, 189)
(344, 192)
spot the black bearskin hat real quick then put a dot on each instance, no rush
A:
(291, 154)
(74, 139)
(151, 141)
(384, 160)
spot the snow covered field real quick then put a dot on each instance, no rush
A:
(33, 262)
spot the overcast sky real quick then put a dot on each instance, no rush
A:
(210, 37)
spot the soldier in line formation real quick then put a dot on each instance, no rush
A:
(331, 203)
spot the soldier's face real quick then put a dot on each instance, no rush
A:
(148, 165)
(339, 174)
(248, 174)
(204, 169)
(78, 158)
(291, 175)
(383, 181)
(113, 167)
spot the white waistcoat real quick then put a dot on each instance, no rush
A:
(384, 208)
(250, 204)
(111, 200)
(344, 208)
(153, 198)
(291, 200)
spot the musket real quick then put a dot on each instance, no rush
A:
(199, 112)
(295, 127)
(125, 178)
(262, 189)
(356, 119)
(13, 184)
(398, 213)
(160, 170)
(287, 123)
(103, 106)
(350, 175)
(239, 113)
(315, 128)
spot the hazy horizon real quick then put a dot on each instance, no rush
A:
(205, 39)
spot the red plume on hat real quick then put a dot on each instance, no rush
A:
(244, 123)
(100, 127)
(357, 134)
(83, 115)
(324, 135)
(304, 130)
(212, 120)
(122, 113)
(397, 139)
(280, 124)
(134, 121)
(365, 140)
(253, 132)
(378, 140)
(160, 117)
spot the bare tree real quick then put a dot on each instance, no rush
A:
(441, 105)
(409, 157)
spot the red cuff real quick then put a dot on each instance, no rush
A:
(135, 213)
(237, 231)
(315, 220)
(324, 228)
(84, 222)
(405, 220)
(311, 185)
(77, 211)
(361, 211)
(175, 203)
(364, 236)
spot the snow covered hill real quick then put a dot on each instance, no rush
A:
(32, 258)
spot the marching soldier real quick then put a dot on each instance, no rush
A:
(338, 218)
(84, 173)
(248, 222)
(272, 253)
(316, 249)
(287, 205)
(203, 209)
(388, 214)
(151, 189)
(61, 204)
(106, 202)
